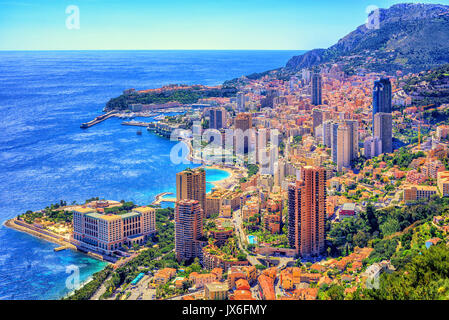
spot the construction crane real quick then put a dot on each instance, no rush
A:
(419, 135)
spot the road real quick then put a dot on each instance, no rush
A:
(187, 294)
(238, 225)
(253, 259)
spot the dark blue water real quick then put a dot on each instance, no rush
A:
(46, 157)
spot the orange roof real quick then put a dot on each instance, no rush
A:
(242, 295)
(217, 271)
(267, 286)
(242, 284)
(317, 267)
(306, 293)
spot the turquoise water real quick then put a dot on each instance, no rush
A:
(252, 240)
(45, 157)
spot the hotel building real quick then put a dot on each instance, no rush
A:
(106, 233)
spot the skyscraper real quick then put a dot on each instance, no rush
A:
(316, 89)
(241, 99)
(383, 124)
(191, 184)
(334, 141)
(382, 96)
(306, 212)
(243, 121)
(217, 118)
(267, 102)
(317, 118)
(188, 229)
(354, 138)
(344, 147)
(327, 133)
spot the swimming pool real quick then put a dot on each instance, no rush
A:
(252, 240)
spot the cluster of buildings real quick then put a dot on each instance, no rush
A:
(305, 136)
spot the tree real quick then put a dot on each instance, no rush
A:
(390, 226)
(336, 292)
(424, 278)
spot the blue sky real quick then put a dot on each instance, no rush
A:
(174, 24)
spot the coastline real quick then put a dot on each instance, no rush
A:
(50, 237)
(226, 183)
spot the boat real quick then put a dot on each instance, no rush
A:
(139, 132)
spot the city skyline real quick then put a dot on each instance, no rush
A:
(197, 25)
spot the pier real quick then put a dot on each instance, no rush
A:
(159, 198)
(136, 123)
(98, 119)
(60, 248)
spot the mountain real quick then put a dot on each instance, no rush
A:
(410, 37)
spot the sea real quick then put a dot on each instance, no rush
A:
(46, 157)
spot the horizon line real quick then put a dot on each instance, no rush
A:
(27, 50)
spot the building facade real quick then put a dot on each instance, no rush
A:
(307, 212)
(106, 233)
(191, 184)
(316, 89)
(383, 126)
(188, 229)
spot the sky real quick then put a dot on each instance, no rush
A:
(181, 25)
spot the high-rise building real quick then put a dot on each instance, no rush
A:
(334, 140)
(188, 229)
(241, 99)
(306, 212)
(243, 122)
(383, 124)
(191, 184)
(354, 137)
(270, 96)
(373, 147)
(344, 147)
(316, 89)
(382, 96)
(217, 118)
(327, 133)
(317, 118)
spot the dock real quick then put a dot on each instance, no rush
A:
(95, 255)
(159, 198)
(60, 248)
(136, 123)
(98, 119)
